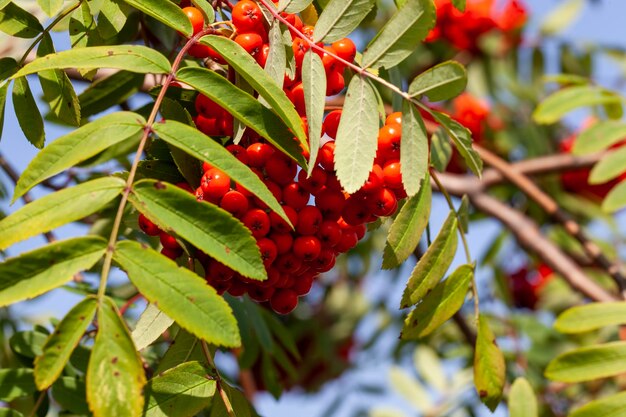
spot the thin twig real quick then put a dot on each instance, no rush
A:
(218, 379)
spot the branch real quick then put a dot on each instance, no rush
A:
(551, 207)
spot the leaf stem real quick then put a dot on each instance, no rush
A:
(108, 258)
(218, 379)
(468, 256)
(48, 28)
(38, 403)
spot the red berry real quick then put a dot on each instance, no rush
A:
(295, 196)
(330, 62)
(257, 221)
(284, 301)
(258, 154)
(237, 288)
(234, 202)
(329, 233)
(375, 181)
(172, 253)
(268, 250)
(303, 284)
(309, 220)
(217, 271)
(207, 125)
(280, 168)
(260, 293)
(326, 156)
(247, 16)
(296, 95)
(345, 49)
(331, 123)
(313, 183)
(239, 152)
(147, 226)
(208, 107)
(383, 202)
(330, 203)
(389, 137)
(215, 184)
(356, 210)
(288, 263)
(283, 242)
(325, 261)
(335, 83)
(251, 42)
(300, 48)
(263, 54)
(195, 17)
(307, 247)
(168, 241)
(280, 225)
(348, 241)
(395, 117)
(392, 174)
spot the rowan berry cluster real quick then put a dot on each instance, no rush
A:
(326, 220)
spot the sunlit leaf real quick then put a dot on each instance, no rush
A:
(588, 363)
(340, 18)
(489, 366)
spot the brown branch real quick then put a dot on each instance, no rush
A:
(551, 207)
(527, 234)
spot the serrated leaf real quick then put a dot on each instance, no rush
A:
(489, 366)
(115, 377)
(562, 16)
(441, 82)
(314, 83)
(609, 167)
(151, 325)
(439, 305)
(249, 70)
(107, 92)
(398, 38)
(57, 88)
(208, 227)
(179, 293)
(599, 136)
(433, 264)
(61, 343)
(440, 150)
(17, 22)
(408, 227)
(134, 58)
(58, 208)
(41, 270)
(357, 135)
(591, 316)
(166, 12)
(588, 363)
(413, 149)
(243, 107)
(522, 400)
(70, 393)
(616, 199)
(16, 383)
(82, 27)
(340, 18)
(77, 146)
(276, 63)
(180, 392)
(462, 139)
(293, 6)
(27, 113)
(568, 99)
(614, 406)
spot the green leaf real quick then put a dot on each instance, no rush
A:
(433, 264)
(357, 135)
(134, 58)
(413, 149)
(522, 400)
(41, 270)
(17, 22)
(411, 389)
(112, 17)
(151, 325)
(184, 347)
(241, 406)
(115, 377)
(400, 35)
(27, 113)
(591, 316)
(7, 412)
(28, 344)
(459, 4)
(429, 366)
(462, 139)
(57, 88)
(588, 363)
(599, 136)
(340, 18)
(314, 83)
(439, 305)
(558, 104)
(79, 145)
(82, 28)
(463, 214)
(246, 66)
(293, 6)
(207, 10)
(208, 227)
(276, 64)
(609, 167)
(489, 366)
(16, 383)
(180, 392)
(198, 145)
(166, 12)
(441, 82)
(57, 209)
(61, 343)
(70, 393)
(108, 92)
(616, 199)
(562, 16)
(179, 293)
(244, 107)
(440, 150)
(408, 227)
(50, 7)
(614, 406)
